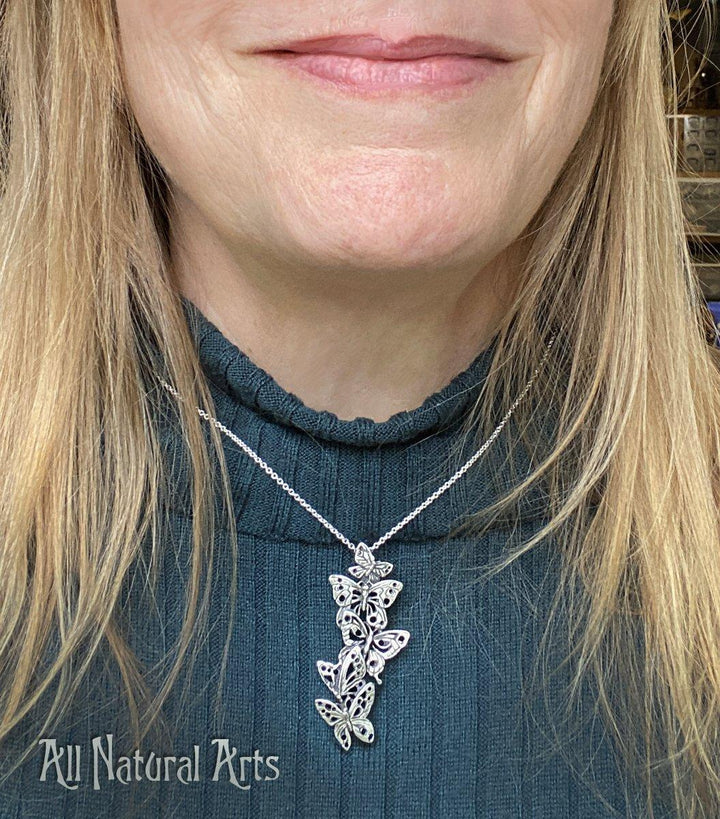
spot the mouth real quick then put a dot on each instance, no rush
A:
(373, 47)
(368, 64)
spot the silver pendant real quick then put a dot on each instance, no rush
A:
(362, 617)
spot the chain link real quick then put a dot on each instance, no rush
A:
(404, 522)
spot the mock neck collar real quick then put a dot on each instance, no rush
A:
(235, 374)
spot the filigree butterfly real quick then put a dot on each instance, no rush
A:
(377, 646)
(367, 600)
(343, 677)
(367, 567)
(349, 715)
(345, 719)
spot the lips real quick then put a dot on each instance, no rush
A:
(375, 48)
(368, 64)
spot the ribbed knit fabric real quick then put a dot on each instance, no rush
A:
(454, 735)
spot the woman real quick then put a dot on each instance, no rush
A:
(370, 251)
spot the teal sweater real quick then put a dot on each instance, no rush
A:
(454, 735)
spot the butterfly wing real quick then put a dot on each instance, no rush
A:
(375, 664)
(380, 597)
(383, 568)
(352, 627)
(367, 568)
(364, 559)
(329, 673)
(389, 643)
(384, 593)
(336, 718)
(342, 733)
(363, 729)
(346, 592)
(384, 646)
(330, 711)
(375, 617)
(362, 701)
(352, 671)
(358, 711)
(343, 676)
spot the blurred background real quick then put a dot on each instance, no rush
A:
(696, 136)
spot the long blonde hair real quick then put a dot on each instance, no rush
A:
(87, 300)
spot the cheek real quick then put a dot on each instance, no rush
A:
(164, 48)
(574, 36)
(165, 42)
(180, 19)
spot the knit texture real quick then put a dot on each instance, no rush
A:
(455, 734)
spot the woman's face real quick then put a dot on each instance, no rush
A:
(288, 167)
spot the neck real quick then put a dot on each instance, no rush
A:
(356, 342)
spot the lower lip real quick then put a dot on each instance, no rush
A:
(362, 75)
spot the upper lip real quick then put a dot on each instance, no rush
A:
(373, 46)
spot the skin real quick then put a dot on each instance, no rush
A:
(360, 250)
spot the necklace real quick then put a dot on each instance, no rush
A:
(362, 602)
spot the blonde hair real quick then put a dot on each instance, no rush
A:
(87, 302)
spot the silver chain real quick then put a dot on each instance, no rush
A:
(398, 526)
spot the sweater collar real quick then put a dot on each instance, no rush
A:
(234, 373)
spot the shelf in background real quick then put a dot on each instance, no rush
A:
(701, 204)
(709, 276)
(696, 140)
(696, 112)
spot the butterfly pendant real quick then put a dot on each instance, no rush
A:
(377, 646)
(367, 567)
(362, 617)
(354, 698)
(370, 597)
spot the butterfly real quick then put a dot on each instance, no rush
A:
(345, 719)
(349, 716)
(378, 646)
(367, 567)
(343, 677)
(368, 600)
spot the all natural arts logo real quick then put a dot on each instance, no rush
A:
(73, 765)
